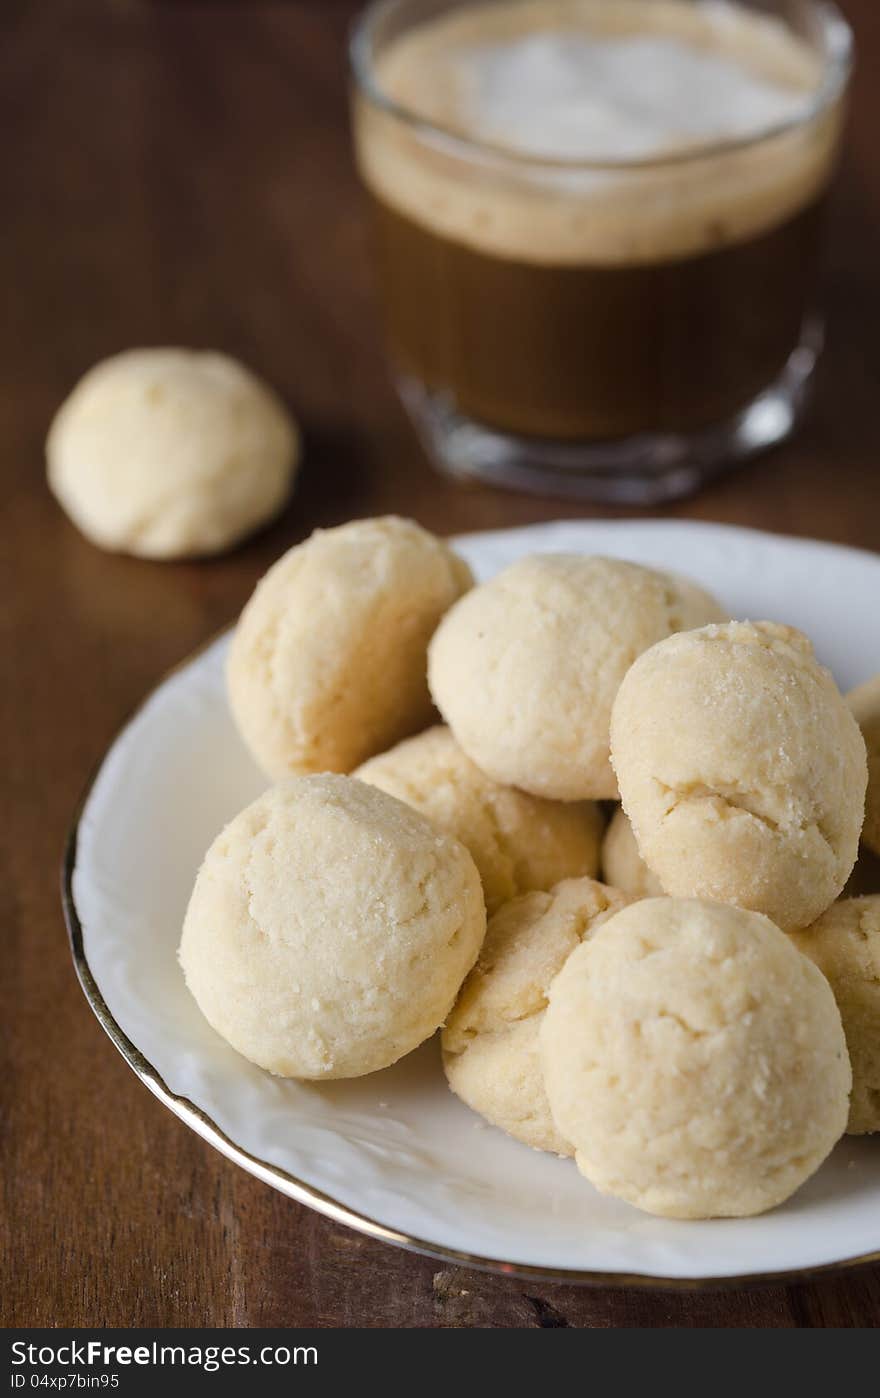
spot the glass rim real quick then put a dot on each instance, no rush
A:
(837, 59)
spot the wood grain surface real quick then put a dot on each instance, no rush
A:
(180, 173)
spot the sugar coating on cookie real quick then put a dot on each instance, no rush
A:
(490, 1042)
(171, 453)
(330, 929)
(525, 668)
(518, 842)
(328, 661)
(845, 945)
(741, 769)
(695, 1059)
(865, 705)
(622, 865)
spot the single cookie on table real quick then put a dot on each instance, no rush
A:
(741, 769)
(622, 865)
(518, 842)
(330, 929)
(328, 661)
(171, 453)
(865, 704)
(490, 1042)
(845, 945)
(525, 668)
(695, 1059)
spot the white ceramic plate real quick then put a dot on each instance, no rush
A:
(395, 1154)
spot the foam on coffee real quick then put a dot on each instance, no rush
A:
(570, 96)
(663, 81)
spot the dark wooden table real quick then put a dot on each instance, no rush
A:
(180, 173)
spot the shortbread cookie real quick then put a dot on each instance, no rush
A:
(742, 770)
(865, 704)
(695, 1059)
(328, 661)
(845, 945)
(490, 1043)
(518, 842)
(525, 668)
(622, 865)
(330, 929)
(171, 453)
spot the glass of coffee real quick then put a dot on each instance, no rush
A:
(598, 226)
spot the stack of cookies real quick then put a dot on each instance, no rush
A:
(699, 1027)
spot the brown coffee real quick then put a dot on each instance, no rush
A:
(594, 352)
(594, 273)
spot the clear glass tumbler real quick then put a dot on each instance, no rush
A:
(611, 329)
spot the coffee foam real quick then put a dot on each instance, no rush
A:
(568, 96)
(570, 80)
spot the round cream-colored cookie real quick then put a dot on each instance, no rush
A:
(845, 945)
(330, 929)
(525, 668)
(865, 704)
(328, 662)
(171, 453)
(622, 865)
(518, 842)
(742, 770)
(695, 1059)
(490, 1043)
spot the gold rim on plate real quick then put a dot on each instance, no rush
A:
(307, 1194)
